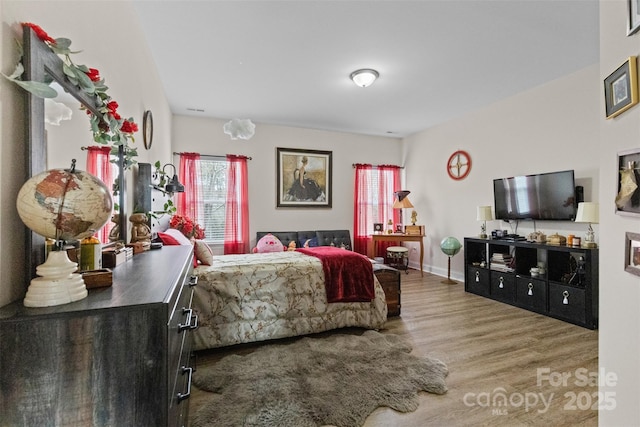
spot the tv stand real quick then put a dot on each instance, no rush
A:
(568, 290)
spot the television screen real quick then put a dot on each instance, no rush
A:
(547, 196)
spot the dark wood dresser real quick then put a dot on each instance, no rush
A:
(120, 357)
(389, 278)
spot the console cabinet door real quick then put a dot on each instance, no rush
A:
(477, 280)
(503, 286)
(531, 293)
(567, 302)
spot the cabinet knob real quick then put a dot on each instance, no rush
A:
(501, 284)
(530, 286)
(477, 276)
(565, 299)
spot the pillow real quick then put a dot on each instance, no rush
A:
(268, 243)
(203, 252)
(173, 237)
(309, 243)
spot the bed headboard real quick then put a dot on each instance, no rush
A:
(336, 238)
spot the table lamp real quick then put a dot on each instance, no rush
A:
(484, 214)
(588, 212)
(402, 202)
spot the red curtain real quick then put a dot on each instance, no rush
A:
(189, 203)
(99, 165)
(373, 202)
(236, 230)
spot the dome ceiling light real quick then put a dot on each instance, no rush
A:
(364, 77)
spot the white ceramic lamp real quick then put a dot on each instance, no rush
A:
(484, 214)
(589, 212)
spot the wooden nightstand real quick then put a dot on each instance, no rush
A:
(389, 278)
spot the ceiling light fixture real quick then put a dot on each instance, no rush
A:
(364, 77)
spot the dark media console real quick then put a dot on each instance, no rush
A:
(567, 289)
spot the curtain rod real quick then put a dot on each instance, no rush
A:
(354, 165)
(175, 153)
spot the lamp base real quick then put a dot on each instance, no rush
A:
(58, 284)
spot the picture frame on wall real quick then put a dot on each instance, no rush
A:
(633, 7)
(303, 178)
(627, 200)
(621, 88)
(632, 253)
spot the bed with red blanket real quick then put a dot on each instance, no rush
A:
(257, 297)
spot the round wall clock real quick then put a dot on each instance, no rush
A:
(147, 129)
(459, 165)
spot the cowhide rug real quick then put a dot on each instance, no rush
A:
(335, 380)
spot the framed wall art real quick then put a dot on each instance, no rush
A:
(633, 7)
(303, 178)
(632, 253)
(621, 88)
(628, 196)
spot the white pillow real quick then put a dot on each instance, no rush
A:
(203, 252)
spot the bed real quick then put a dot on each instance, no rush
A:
(264, 296)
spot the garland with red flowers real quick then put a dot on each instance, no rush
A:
(107, 128)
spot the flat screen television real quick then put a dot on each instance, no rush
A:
(546, 196)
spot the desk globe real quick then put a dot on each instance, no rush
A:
(62, 204)
(450, 246)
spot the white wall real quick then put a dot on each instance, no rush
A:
(108, 34)
(619, 291)
(550, 128)
(206, 136)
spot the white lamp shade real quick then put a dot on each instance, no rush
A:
(588, 212)
(484, 213)
(364, 77)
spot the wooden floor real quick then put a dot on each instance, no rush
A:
(507, 366)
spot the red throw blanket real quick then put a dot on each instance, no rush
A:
(348, 275)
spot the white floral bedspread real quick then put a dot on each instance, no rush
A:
(256, 297)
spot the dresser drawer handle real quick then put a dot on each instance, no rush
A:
(565, 299)
(193, 280)
(530, 286)
(183, 396)
(189, 316)
(477, 276)
(501, 284)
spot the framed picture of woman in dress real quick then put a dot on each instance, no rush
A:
(303, 178)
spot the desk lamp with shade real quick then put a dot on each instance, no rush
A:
(402, 202)
(588, 212)
(484, 214)
(65, 205)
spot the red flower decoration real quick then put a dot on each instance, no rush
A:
(187, 226)
(128, 127)
(42, 34)
(94, 74)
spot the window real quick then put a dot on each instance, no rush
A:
(213, 179)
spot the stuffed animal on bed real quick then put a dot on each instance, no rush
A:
(268, 243)
(292, 246)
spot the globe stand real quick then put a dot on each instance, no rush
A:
(448, 280)
(58, 283)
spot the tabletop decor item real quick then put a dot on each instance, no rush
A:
(65, 205)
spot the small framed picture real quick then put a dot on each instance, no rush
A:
(399, 229)
(377, 227)
(632, 253)
(621, 88)
(628, 196)
(633, 7)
